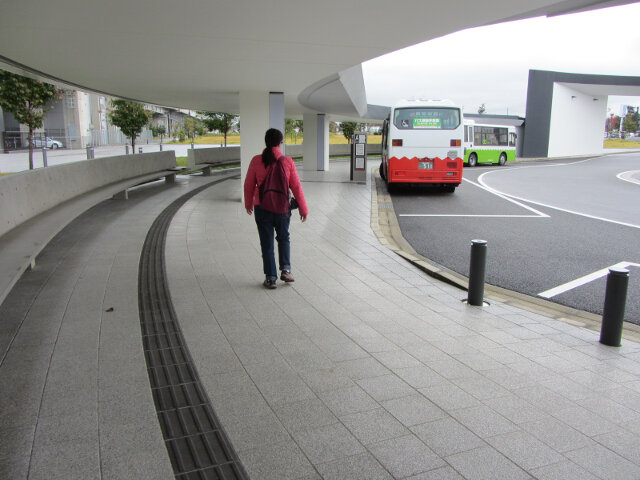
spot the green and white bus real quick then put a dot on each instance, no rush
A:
(485, 143)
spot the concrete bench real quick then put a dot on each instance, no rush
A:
(38, 204)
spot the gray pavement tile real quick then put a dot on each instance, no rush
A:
(585, 421)
(567, 388)
(396, 359)
(558, 364)
(604, 463)
(357, 467)
(344, 401)
(66, 460)
(591, 380)
(452, 369)
(525, 450)
(15, 465)
(561, 471)
(419, 377)
(625, 396)
(328, 443)
(304, 415)
(515, 409)
(373, 426)
(326, 380)
(449, 397)
(277, 461)
(543, 398)
(446, 436)
(444, 473)
(426, 353)
(413, 410)
(486, 464)
(610, 410)
(480, 342)
(252, 430)
(617, 371)
(15, 451)
(480, 387)
(362, 368)
(622, 442)
(484, 421)
(557, 435)
(385, 387)
(405, 456)
(283, 391)
(81, 426)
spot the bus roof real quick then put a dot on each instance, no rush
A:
(424, 103)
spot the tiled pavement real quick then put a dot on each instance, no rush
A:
(364, 368)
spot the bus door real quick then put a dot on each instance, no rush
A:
(468, 139)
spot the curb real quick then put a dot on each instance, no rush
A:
(384, 224)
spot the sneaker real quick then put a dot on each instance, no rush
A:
(270, 284)
(286, 276)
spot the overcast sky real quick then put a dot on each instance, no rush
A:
(491, 64)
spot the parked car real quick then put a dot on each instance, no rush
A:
(50, 143)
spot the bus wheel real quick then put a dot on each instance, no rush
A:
(382, 171)
(449, 189)
(473, 160)
(503, 158)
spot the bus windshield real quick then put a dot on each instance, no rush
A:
(427, 118)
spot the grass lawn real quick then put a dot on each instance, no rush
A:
(618, 143)
(234, 139)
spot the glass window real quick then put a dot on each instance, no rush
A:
(427, 118)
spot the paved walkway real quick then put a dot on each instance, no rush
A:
(364, 368)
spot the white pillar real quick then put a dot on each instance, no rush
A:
(316, 142)
(259, 111)
(276, 111)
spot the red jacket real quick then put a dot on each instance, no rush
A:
(255, 177)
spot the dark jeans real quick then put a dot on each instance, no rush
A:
(269, 222)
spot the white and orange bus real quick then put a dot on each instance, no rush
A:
(422, 144)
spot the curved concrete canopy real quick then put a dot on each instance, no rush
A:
(199, 54)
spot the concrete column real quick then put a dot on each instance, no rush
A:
(259, 111)
(316, 142)
(276, 111)
(254, 121)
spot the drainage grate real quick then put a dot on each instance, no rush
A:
(197, 446)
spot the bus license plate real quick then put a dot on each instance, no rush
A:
(425, 165)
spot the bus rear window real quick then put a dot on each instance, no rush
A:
(427, 118)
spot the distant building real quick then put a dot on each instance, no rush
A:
(78, 120)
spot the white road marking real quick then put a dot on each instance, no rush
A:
(628, 176)
(584, 280)
(565, 210)
(537, 214)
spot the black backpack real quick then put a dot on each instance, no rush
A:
(274, 190)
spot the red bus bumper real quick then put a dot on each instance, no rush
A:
(407, 170)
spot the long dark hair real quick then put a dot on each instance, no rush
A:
(272, 138)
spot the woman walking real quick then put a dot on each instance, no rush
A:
(268, 221)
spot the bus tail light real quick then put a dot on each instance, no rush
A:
(456, 143)
(396, 142)
(452, 165)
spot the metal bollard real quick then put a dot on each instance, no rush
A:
(140, 150)
(478, 261)
(126, 149)
(44, 158)
(160, 147)
(90, 153)
(615, 300)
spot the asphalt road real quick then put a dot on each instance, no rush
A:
(547, 223)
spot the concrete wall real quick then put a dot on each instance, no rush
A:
(215, 154)
(577, 122)
(27, 194)
(197, 156)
